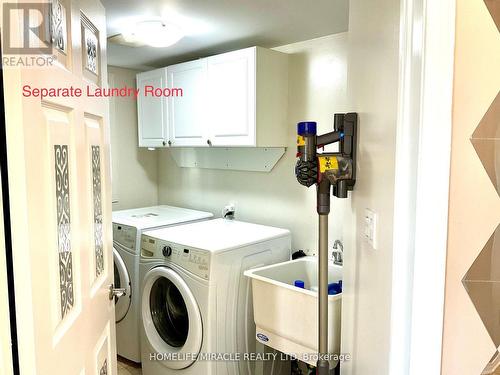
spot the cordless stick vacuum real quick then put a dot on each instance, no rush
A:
(334, 172)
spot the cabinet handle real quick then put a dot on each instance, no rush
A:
(170, 143)
(209, 142)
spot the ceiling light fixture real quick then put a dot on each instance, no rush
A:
(154, 33)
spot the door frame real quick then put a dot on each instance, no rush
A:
(423, 153)
(8, 345)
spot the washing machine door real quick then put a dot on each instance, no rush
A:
(171, 317)
(121, 280)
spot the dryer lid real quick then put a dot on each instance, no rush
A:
(218, 234)
(158, 216)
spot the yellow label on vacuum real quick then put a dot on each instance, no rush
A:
(328, 162)
(300, 140)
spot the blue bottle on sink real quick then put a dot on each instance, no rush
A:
(299, 284)
(335, 288)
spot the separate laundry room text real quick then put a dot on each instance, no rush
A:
(93, 91)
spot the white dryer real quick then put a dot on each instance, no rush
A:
(196, 304)
(127, 229)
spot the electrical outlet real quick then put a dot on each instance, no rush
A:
(229, 209)
(370, 228)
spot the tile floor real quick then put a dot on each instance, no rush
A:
(128, 368)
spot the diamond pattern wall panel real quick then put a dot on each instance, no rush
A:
(482, 280)
(486, 142)
(482, 283)
(494, 8)
(492, 367)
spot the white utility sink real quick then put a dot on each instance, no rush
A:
(286, 317)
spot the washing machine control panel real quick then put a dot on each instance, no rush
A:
(125, 235)
(193, 260)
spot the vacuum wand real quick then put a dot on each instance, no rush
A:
(323, 365)
(331, 173)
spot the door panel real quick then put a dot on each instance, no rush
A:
(94, 146)
(187, 113)
(60, 189)
(152, 111)
(101, 357)
(231, 85)
(58, 160)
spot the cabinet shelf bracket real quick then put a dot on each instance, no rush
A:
(253, 159)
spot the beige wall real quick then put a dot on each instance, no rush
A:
(474, 204)
(317, 89)
(134, 170)
(373, 92)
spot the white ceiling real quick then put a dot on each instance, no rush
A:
(216, 26)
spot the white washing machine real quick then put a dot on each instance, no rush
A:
(196, 303)
(127, 229)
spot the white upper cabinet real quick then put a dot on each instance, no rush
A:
(152, 111)
(236, 99)
(188, 120)
(248, 98)
(231, 81)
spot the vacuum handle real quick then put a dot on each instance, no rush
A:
(328, 138)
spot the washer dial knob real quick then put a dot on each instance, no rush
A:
(167, 251)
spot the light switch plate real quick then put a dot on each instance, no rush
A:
(370, 228)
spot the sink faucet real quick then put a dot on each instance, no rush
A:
(338, 253)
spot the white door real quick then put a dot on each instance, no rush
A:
(231, 98)
(188, 120)
(59, 183)
(152, 111)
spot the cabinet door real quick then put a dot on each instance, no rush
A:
(152, 111)
(188, 118)
(231, 96)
